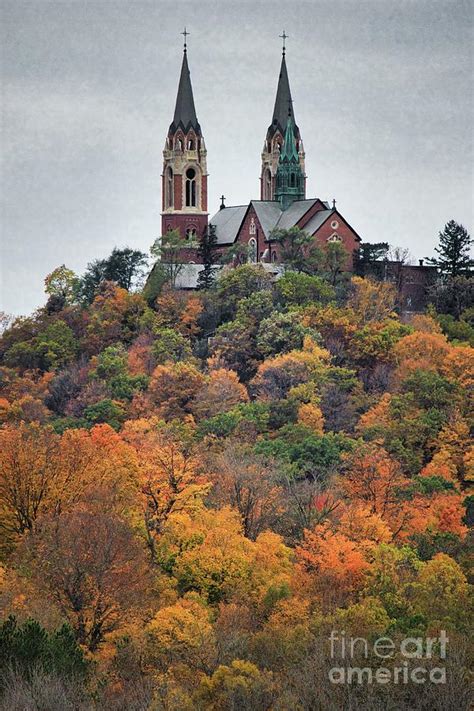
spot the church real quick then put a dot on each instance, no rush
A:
(283, 202)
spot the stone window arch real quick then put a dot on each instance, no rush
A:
(267, 185)
(191, 233)
(169, 187)
(191, 187)
(334, 238)
(252, 250)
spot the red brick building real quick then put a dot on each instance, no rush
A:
(283, 203)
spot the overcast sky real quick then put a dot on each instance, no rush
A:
(382, 92)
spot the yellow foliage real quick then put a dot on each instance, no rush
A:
(311, 416)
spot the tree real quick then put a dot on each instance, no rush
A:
(334, 262)
(168, 250)
(123, 267)
(371, 300)
(208, 252)
(298, 289)
(238, 686)
(375, 479)
(62, 283)
(173, 387)
(369, 258)
(220, 393)
(93, 568)
(29, 646)
(453, 250)
(248, 482)
(236, 284)
(452, 295)
(298, 250)
(280, 333)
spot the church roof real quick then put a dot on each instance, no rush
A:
(294, 213)
(185, 112)
(283, 103)
(227, 223)
(270, 215)
(317, 220)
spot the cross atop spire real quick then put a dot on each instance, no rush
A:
(185, 34)
(284, 37)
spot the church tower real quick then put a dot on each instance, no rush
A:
(282, 112)
(289, 179)
(184, 177)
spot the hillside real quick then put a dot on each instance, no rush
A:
(202, 493)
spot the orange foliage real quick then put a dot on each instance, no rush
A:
(178, 310)
(459, 366)
(220, 393)
(333, 565)
(421, 351)
(371, 476)
(173, 387)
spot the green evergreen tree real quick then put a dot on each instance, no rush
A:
(453, 250)
(208, 253)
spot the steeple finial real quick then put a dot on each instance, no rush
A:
(284, 37)
(334, 204)
(222, 207)
(185, 33)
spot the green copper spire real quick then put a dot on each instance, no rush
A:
(289, 176)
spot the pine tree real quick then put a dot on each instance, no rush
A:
(453, 250)
(207, 251)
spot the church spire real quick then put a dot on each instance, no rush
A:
(274, 140)
(184, 177)
(282, 101)
(185, 112)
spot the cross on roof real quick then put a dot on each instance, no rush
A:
(284, 37)
(185, 34)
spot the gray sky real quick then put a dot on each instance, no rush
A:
(382, 92)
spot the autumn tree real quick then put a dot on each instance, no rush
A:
(249, 483)
(91, 566)
(221, 392)
(371, 476)
(371, 300)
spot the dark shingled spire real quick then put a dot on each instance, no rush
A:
(185, 113)
(282, 102)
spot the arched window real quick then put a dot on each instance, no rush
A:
(178, 144)
(169, 187)
(252, 250)
(191, 233)
(268, 185)
(252, 227)
(190, 187)
(292, 180)
(274, 256)
(190, 144)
